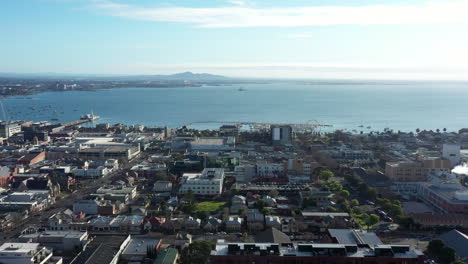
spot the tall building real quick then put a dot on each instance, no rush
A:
(281, 134)
(452, 153)
(8, 129)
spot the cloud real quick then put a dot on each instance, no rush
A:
(237, 2)
(300, 36)
(431, 12)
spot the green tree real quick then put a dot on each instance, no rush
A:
(372, 220)
(344, 194)
(197, 253)
(326, 175)
(354, 203)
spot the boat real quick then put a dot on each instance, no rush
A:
(241, 89)
(90, 117)
(54, 119)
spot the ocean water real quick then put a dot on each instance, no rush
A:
(401, 106)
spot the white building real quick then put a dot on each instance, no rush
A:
(91, 172)
(118, 189)
(270, 170)
(26, 253)
(208, 182)
(8, 129)
(452, 153)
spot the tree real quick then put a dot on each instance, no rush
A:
(372, 220)
(273, 193)
(344, 194)
(326, 175)
(447, 255)
(445, 129)
(197, 253)
(441, 252)
(354, 203)
(418, 130)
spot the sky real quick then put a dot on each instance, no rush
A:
(348, 39)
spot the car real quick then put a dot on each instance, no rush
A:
(387, 219)
(369, 202)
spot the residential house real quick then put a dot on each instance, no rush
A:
(234, 224)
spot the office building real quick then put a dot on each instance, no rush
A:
(208, 182)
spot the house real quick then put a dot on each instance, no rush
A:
(162, 186)
(5, 174)
(155, 223)
(255, 220)
(273, 221)
(173, 224)
(212, 224)
(270, 201)
(234, 224)
(238, 203)
(192, 223)
(66, 220)
(182, 240)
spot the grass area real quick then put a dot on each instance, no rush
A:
(209, 206)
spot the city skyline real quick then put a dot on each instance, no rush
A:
(297, 39)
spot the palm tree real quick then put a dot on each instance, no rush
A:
(445, 129)
(418, 130)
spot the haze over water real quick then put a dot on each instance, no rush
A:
(401, 106)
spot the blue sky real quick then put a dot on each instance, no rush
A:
(370, 39)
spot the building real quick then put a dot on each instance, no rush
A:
(281, 134)
(212, 144)
(26, 253)
(276, 253)
(137, 248)
(8, 129)
(444, 193)
(351, 236)
(62, 241)
(208, 182)
(118, 189)
(91, 173)
(452, 153)
(103, 250)
(405, 171)
(162, 187)
(104, 152)
(167, 256)
(270, 170)
(89, 207)
(31, 158)
(234, 224)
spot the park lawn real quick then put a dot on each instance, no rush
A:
(209, 206)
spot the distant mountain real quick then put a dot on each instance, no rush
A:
(183, 76)
(186, 76)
